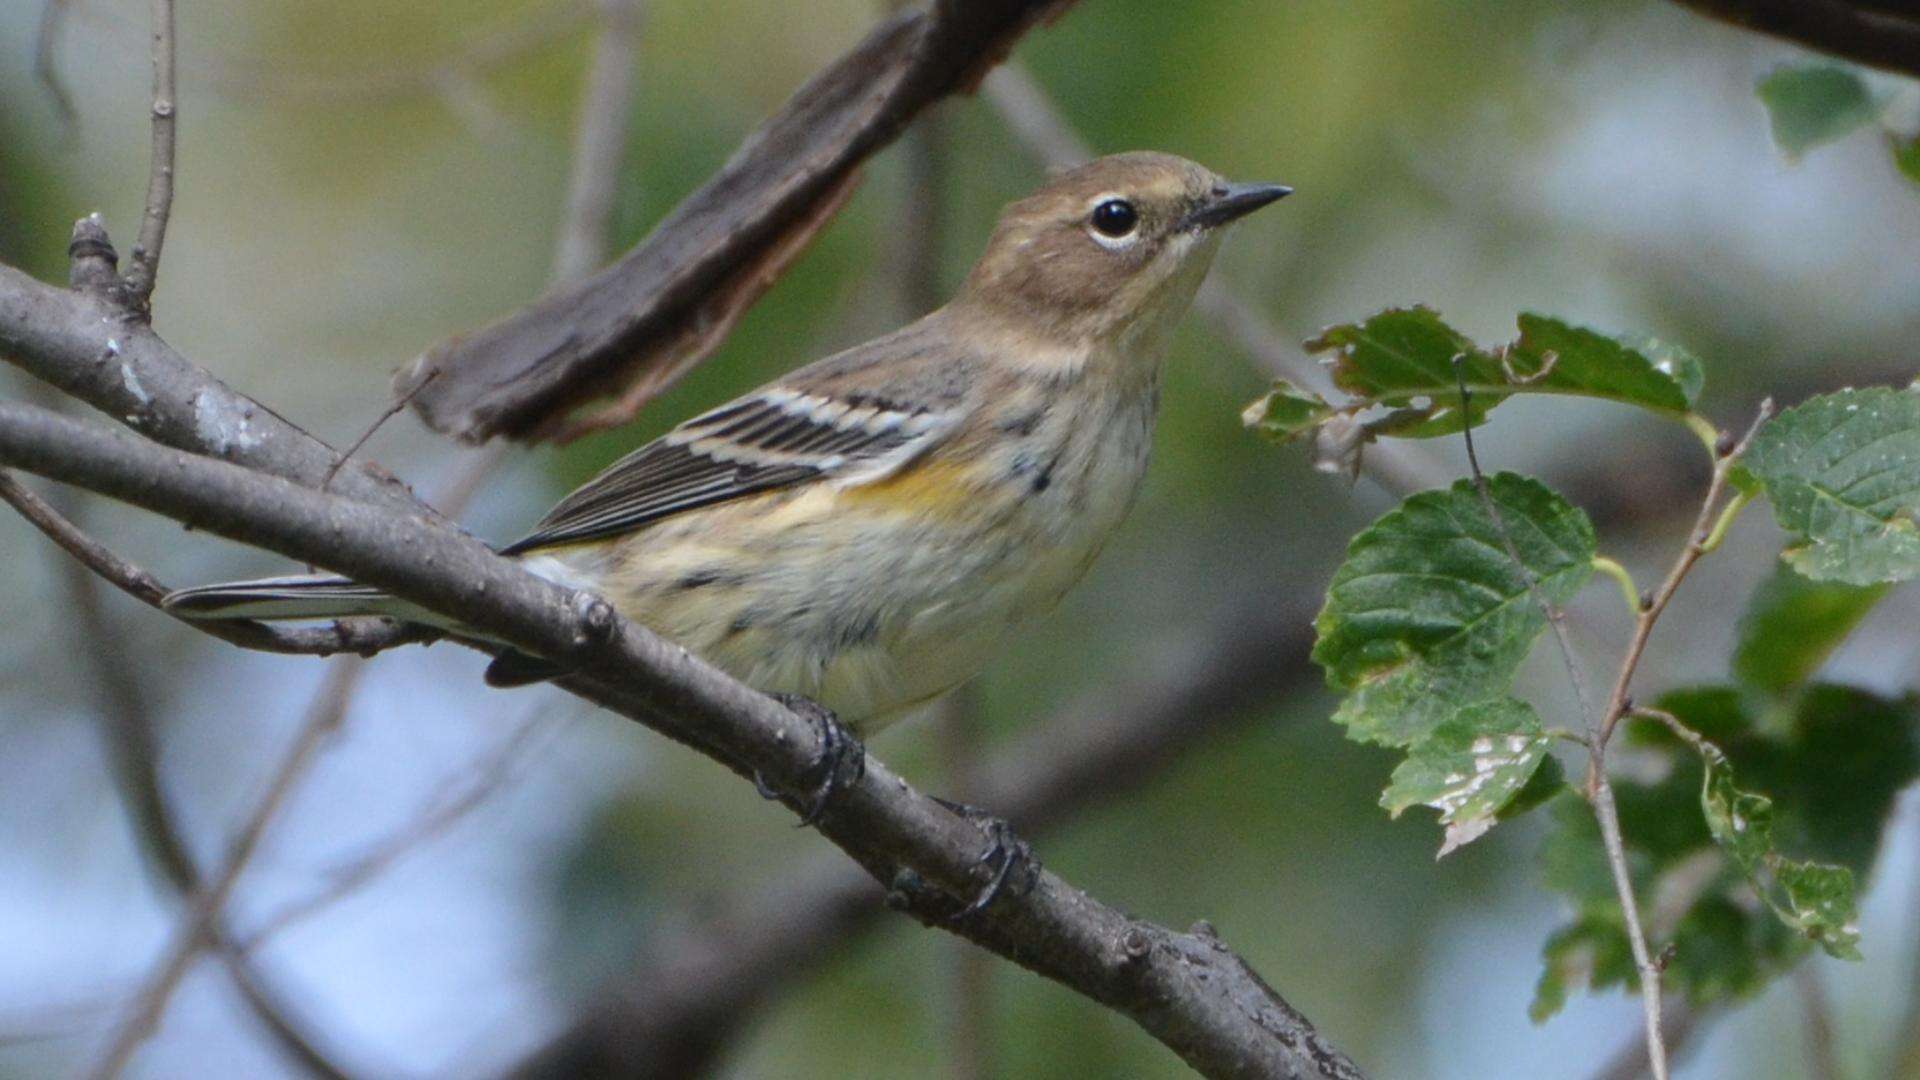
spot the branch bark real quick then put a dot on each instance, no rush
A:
(688, 997)
(1186, 989)
(659, 310)
(89, 348)
(1879, 33)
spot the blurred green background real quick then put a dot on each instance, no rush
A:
(1605, 162)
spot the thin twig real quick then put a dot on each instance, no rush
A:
(1707, 527)
(361, 637)
(135, 757)
(380, 421)
(144, 260)
(1704, 529)
(599, 143)
(46, 65)
(445, 809)
(1607, 812)
(323, 719)
(1556, 618)
(1681, 1023)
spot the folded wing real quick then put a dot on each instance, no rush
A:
(773, 439)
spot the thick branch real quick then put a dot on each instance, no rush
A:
(641, 322)
(1187, 990)
(1878, 33)
(687, 997)
(84, 345)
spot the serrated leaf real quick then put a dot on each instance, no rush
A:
(1403, 358)
(1286, 412)
(1429, 613)
(1843, 474)
(1816, 899)
(1792, 625)
(1472, 765)
(1591, 364)
(1815, 104)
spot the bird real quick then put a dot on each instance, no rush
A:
(863, 532)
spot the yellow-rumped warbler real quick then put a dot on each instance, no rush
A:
(864, 531)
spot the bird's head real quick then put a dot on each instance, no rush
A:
(1111, 249)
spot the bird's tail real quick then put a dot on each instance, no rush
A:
(312, 596)
(325, 596)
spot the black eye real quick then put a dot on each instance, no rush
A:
(1115, 217)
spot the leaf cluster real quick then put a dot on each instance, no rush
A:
(1756, 804)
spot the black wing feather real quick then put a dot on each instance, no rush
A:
(760, 444)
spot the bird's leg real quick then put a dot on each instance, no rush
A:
(842, 760)
(1007, 855)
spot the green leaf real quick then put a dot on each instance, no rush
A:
(1792, 625)
(1843, 473)
(1547, 783)
(1815, 104)
(1472, 765)
(1592, 951)
(1591, 364)
(1403, 358)
(1821, 901)
(1429, 612)
(1906, 157)
(1832, 761)
(1286, 412)
(1816, 899)
(1673, 360)
(1835, 770)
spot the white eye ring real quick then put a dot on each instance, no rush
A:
(1107, 240)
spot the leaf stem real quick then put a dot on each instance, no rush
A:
(1619, 573)
(1707, 433)
(1719, 532)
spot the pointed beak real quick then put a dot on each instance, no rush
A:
(1231, 201)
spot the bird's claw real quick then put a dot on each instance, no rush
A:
(842, 760)
(1007, 855)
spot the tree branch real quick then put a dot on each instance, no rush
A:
(1879, 33)
(688, 996)
(660, 309)
(1187, 989)
(86, 346)
(145, 257)
(361, 636)
(204, 926)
